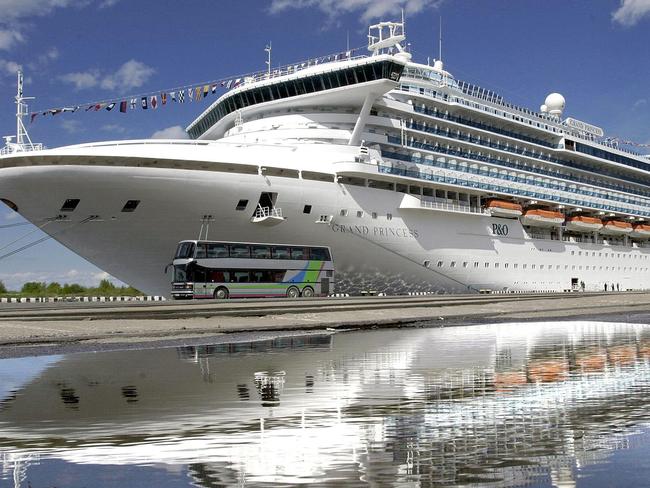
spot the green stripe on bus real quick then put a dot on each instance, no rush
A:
(313, 271)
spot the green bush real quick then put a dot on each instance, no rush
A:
(3, 288)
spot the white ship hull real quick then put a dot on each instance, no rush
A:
(417, 250)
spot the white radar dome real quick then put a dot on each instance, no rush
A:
(543, 109)
(555, 104)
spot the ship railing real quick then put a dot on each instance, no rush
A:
(546, 120)
(263, 212)
(454, 207)
(16, 149)
(296, 67)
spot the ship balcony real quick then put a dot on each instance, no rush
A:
(410, 202)
(268, 216)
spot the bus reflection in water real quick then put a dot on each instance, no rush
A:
(211, 269)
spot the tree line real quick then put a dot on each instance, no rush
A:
(55, 289)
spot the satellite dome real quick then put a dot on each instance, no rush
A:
(543, 109)
(555, 104)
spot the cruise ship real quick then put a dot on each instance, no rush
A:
(418, 182)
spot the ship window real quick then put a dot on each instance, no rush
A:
(476, 264)
(343, 212)
(359, 213)
(452, 264)
(505, 265)
(440, 263)
(70, 204)
(306, 209)
(487, 265)
(130, 205)
(464, 264)
(516, 265)
(241, 205)
(389, 216)
(496, 265)
(374, 215)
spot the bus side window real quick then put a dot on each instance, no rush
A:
(277, 276)
(201, 250)
(218, 276)
(261, 252)
(241, 277)
(240, 251)
(281, 253)
(260, 276)
(299, 253)
(217, 251)
(319, 254)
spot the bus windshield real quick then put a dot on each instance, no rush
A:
(204, 269)
(185, 250)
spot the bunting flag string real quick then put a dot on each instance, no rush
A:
(194, 92)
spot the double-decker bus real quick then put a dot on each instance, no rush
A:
(216, 269)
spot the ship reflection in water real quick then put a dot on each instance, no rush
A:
(549, 404)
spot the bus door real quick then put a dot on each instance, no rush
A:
(325, 286)
(200, 288)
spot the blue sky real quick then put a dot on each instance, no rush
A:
(76, 51)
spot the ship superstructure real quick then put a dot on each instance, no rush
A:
(415, 180)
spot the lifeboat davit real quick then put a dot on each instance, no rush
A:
(641, 231)
(616, 228)
(582, 223)
(503, 208)
(542, 218)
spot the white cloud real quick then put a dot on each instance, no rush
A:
(174, 132)
(108, 3)
(641, 102)
(631, 12)
(9, 67)
(9, 37)
(132, 74)
(81, 80)
(72, 126)
(116, 128)
(16, 14)
(371, 9)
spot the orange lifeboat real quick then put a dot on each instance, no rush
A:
(641, 231)
(582, 223)
(616, 228)
(503, 208)
(542, 218)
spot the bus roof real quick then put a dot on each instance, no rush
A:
(202, 241)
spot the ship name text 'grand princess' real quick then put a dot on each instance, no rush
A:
(416, 182)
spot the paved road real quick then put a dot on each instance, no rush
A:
(96, 324)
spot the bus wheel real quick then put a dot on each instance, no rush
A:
(293, 292)
(308, 292)
(221, 293)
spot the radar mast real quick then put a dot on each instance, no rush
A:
(23, 141)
